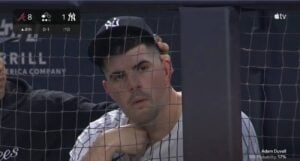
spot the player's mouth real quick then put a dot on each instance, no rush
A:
(138, 101)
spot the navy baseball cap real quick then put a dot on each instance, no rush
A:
(118, 30)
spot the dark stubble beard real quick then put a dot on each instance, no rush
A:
(148, 116)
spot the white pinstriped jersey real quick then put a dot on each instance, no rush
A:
(170, 148)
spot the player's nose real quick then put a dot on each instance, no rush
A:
(133, 82)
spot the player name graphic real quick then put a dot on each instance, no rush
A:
(13, 58)
(273, 151)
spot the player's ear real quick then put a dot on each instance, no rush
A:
(106, 86)
(167, 66)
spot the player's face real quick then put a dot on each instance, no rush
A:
(2, 78)
(139, 81)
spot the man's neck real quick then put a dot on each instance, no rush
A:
(167, 118)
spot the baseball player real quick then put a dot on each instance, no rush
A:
(148, 126)
(42, 124)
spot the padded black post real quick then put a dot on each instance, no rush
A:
(211, 84)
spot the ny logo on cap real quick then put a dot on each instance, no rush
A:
(113, 23)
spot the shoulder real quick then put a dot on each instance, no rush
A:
(247, 126)
(60, 100)
(109, 120)
(244, 116)
(15, 84)
(42, 94)
(246, 122)
(86, 139)
(43, 99)
(249, 140)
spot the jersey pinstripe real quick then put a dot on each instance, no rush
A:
(170, 148)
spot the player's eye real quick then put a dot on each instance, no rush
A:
(117, 77)
(143, 67)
